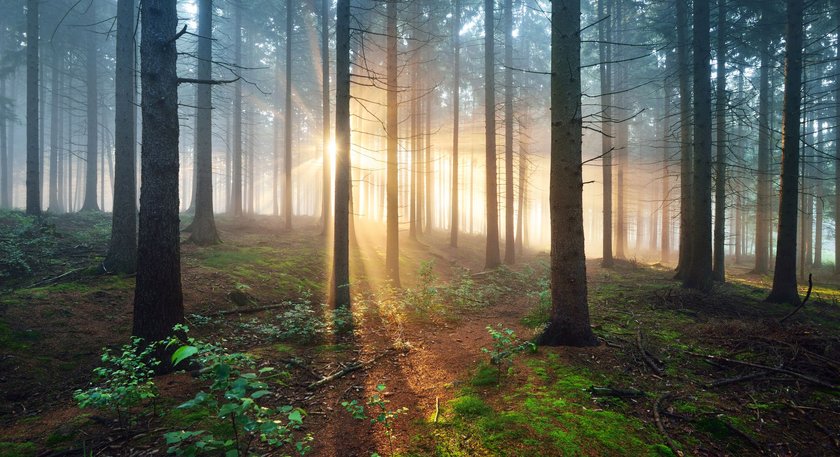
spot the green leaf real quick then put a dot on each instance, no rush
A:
(260, 393)
(296, 416)
(182, 353)
(232, 453)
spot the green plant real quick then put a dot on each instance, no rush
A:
(423, 299)
(235, 391)
(302, 323)
(124, 380)
(505, 346)
(463, 292)
(381, 413)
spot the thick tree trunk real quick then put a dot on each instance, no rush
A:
(340, 293)
(718, 264)
(122, 250)
(569, 324)
(605, 55)
(203, 227)
(492, 258)
(784, 277)
(33, 186)
(699, 272)
(510, 247)
(686, 147)
(456, 106)
(91, 164)
(158, 302)
(392, 250)
(287, 130)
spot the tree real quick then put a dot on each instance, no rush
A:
(604, 54)
(326, 175)
(392, 248)
(340, 294)
(686, 147)
(33, 184)
(784, 277)
(122, 249)
(492, 259)
(54, 204)
(158, 301)
(92, 156)
(699, 269)
(236, 192)
(763, 191)
(718, 264)
(287, 130)
(510, 246)
(569, 324)
(203, 227)
(456, 106)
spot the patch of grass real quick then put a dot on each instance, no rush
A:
(485, 375)
(9, 449)
(470, 406)
(283, 348)
(57, 439)
(333, 348)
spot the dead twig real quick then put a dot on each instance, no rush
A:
(736, 379)
(831, 436)
(646, 356)
(801, 305)
(657, 417)
(797, 374)
(347, 370)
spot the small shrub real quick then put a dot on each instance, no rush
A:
(505, 346)
(380, 413)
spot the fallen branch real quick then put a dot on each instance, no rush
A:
(797, 374)
(801, 305)
(743, 435)
(657, 417)
(646, 356)
(57, 278)
(736, 379)
(612, 392)
(820, 426)
(347, 370)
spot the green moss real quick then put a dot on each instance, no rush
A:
(283, 348)
(333, 347)
(9, 449)
(15, 340)
(470, 406)
(485, 375)
(58, 438)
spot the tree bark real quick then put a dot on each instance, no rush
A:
(33, 186)
(510, 247)
(287, 130)
(158, 302)
(456, 106)
(92, 157)
(763, 193)
(784, 277)
(719, 261)
(392, 250)
(686, 149)
(492, 256)
(54, 205)
(340, 293)
(605, 56)
(122, 250)
(236, 191)
(569, 324)
(326, 176)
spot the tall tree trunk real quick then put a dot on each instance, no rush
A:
(204, 224)
(456, 106)
(5, 112)
(784, 277)
(158, 301)
(236, 193)
(392, 250)
(699, 274)
(278, 90)
(92, 157)
(686, 147)
(33, 186)
(510, 247)
(837, 159)
(569, 324)
(622, 134)
(287, 130)
(326, 176)
(665, 249)
(605, 55)
(524, 122)
(429, 190)
(122, 250)
(340, 294)
(718, 264)
(492, 258)
(763, 210)
(54, 204)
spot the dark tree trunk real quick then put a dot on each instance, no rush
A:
(622, 134)
(340, 294)
(158, 302)
(524, 121)
(456, 106)
(392, 250)
(686, 148)
(33, 186)
(92, 157)
(605, 55)
(287, 130)
(122, 250)
(326, 176)
(784, 277)
(236, 191)
(718, 264)
(569, 324)
(5, 178)
(665, 249)
(510, 247)
(699, 272)
(492, 257)
(763, 211)
(203, 227)
(54, 204)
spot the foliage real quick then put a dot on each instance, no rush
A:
(423, 299)
(381, 414)
(124, 380)
(505, 346)
(233, 399)
(25, 244)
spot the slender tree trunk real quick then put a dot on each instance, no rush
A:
(278, 89)
(204, 224)
(763, 211)
(665, 249)
(91, 164)
(413, 174)
(456, 106)
(122, 250)
(287, 130)
(5, 112)
(429, 190)
(158, 302)
(719, 261)
(686, 147)
(326, 166)
(524, 121)
(236, 193)
(33, 186)
(784, 277)
(340, 294)
(510, 247)
(392, 251)
(837, 160)
(569, 324)
(492, 259)
(605, 55)
(622, 134)
(55, 125)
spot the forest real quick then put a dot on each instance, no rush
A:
(419, 228)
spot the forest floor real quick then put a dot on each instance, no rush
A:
(677, 373)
